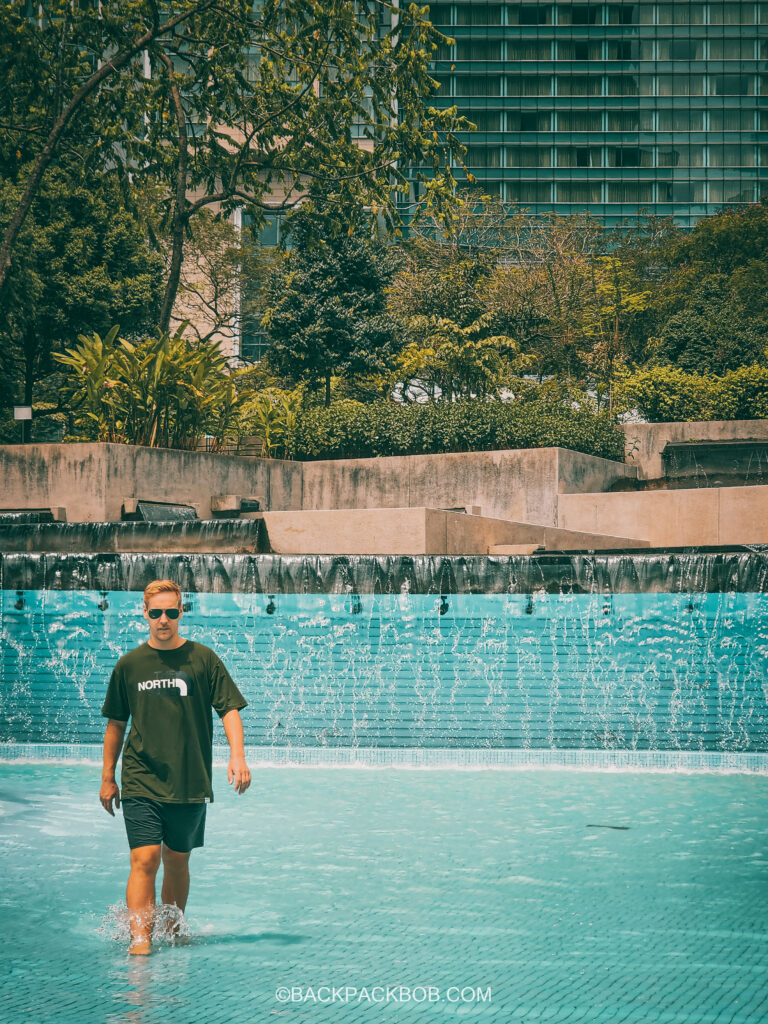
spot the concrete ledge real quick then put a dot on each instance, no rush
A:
(196, 535)
(647, 441)
(420, 531)
(688, 517)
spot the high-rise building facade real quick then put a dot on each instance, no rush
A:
(611, 108)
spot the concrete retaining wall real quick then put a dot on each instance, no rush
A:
(92, 480)
(701, 516)
(646, 441)
(516, 485)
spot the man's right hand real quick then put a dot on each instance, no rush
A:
(109, 792)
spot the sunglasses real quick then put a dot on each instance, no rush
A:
(155, 613)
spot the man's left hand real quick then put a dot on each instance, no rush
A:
(239, 773)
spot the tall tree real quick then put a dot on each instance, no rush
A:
(252, 105)
(83, 264)
(326, 313)
(56, 60)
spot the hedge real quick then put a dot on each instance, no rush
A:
(352, 430)
(666, 394)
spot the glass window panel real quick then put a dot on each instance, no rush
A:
(478, 14)
(763, 156)
(478, 85)
(623, 49)
(726, 119)
(443, 83)
(725, 156)
(579, 192)
(681, 49)
(529, 14)
(670, 156)
(529, 192)
(762, 85)
(647, 14)
(528, 156)
(579, 49)
(725, 49)
(681, 192)
(482, 156)
(732, 85)
(533, 121)
(681, 85)
(732, 13)
(629, 157)
(630, 192)
(580, 14)
(475, 49)
(681, 14)
(622, 85)
(731, 192)
(762, 13)
(622, 14)
(647, 49)
(486, 120)
(528, 49)
(440, 14)
(579, 121)
(579, 156)
(680, 120)
(579, 85)
(647, 85)
(529, 85)
(623, 120)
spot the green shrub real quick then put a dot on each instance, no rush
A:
(351, 430)
(665, 394)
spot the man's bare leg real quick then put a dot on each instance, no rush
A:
(140, 896)
(175, 882)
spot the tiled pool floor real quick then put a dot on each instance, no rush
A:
(575, 897)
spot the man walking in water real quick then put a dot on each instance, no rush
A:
(167, 687)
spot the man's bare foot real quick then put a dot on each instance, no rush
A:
(141, 947)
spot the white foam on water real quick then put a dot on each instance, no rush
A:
(169, 927)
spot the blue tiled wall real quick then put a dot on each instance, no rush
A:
(637, 671)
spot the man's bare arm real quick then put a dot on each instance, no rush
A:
(237, 771)
(113, 741)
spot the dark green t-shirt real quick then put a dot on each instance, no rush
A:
(168, 695)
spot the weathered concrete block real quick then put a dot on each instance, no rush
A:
(647, 441)
(679, 518)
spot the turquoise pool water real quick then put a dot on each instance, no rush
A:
(560, 895)
(648, 671)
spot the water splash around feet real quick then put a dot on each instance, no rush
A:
(169, 926)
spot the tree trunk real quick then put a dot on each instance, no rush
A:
(327, 390)
(30, 352)
(180, 215)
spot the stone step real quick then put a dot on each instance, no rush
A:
(421, 531)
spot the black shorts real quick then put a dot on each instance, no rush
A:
(149, 822)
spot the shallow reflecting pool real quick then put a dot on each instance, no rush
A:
(556, 895)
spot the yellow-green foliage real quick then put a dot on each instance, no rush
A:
(666, 394)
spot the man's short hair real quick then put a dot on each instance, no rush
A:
(162, 587)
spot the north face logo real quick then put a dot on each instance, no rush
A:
(166, 684)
